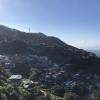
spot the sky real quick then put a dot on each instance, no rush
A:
(76, 22)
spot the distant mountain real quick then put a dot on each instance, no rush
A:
(97, 52)
(13, 41)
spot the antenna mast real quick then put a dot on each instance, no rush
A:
(29, 29)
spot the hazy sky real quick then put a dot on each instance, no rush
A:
(77, 22)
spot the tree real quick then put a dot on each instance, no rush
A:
(96, 95)
(70, 96)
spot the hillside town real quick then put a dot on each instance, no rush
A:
(50, 78)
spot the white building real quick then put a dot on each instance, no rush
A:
(16, 78)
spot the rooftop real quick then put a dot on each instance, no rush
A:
(18, 77)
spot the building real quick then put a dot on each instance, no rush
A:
(16, 78)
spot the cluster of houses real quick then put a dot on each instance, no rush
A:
(80, 79)
(83, 80)
(20, 81)
(6, 63)
(52, 76)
